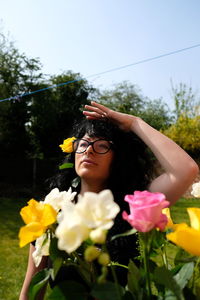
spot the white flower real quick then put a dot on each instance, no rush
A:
(196, 190)
(57, 199)
(97, 210)
(70, 238)
(98, 236)
(71, 231)
(41, 248)
(91, 216)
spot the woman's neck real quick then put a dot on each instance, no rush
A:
(91, 186)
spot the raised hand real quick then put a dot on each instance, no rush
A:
(97, 111)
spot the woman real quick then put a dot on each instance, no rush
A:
(111, 152)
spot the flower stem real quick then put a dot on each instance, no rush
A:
(111, 264)
(146, 248)
(164, 256)
(116, 281)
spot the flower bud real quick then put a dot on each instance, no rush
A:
(91, 253)
(104, 259)
(98, 236)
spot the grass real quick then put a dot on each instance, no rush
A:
(13, 260)
(178, 211)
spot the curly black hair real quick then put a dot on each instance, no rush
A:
(132, 169)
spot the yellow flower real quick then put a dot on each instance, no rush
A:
(67, 145)
(37, 216)
(188, 237)
(170, 224)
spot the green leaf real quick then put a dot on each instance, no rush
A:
(60, 258)
(66, 166)
(129, 232)
(85, 272)
(38, 282)
(69, 290)
(106, 291)
(57, 257)
(183, 256)
(128, 296)
(152, 266)
(169, 295)
(158, 239)
(57, 264)
(164, 277)
(133, 278)
(54, 252)
(184, 275)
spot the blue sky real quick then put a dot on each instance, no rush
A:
(93, 36)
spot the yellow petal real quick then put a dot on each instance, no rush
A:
(170, 223)
(38, 216)
(194, 214)
(30, 232)
(38, 212)
(48, 216)
(187, 238)
(32, 212)
(67, 146)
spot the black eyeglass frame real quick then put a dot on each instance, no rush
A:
(92, 144)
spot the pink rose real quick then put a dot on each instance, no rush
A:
(146, 210)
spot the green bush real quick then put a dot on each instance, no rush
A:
(186, 133)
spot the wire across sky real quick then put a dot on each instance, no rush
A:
(17, 97)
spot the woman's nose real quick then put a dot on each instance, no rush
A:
(89, 149)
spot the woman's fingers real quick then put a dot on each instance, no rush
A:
(93, 109)
(92, 115)
(99, 111)
(96, 107)
(96, 111)
(100, 107)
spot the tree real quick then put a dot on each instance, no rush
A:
(125, 97)
(18, 74)
(185, 101)
(186, 129)
(53, 112)
(34, 125)
(186, 133)
(157, 114)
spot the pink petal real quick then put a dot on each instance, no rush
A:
(162, 222)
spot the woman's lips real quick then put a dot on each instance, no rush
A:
(88, 161)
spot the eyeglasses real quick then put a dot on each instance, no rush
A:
(99, 146)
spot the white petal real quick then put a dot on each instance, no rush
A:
(98, 236)
(70, 238)
(196, 189)
(41, 248)
(58, 199)
(97, 210)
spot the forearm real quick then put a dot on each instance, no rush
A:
(24, 293)
(31, 271)
(179, 168)
(168, 153)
